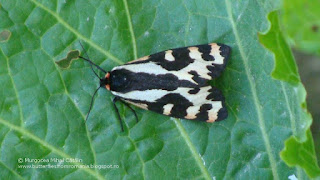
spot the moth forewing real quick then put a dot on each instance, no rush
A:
(172, 82)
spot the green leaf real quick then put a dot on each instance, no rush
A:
(298, 150)
(285, 66)
(302, 154)
(43, 106)
(301, 20)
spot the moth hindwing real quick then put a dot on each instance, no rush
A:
(173, 82)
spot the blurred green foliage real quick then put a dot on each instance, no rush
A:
(301, 21)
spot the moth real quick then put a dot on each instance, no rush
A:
(172, 82)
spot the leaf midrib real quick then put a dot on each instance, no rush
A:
(133, 39)
(134, 47)
(193, 150)
(257, 103)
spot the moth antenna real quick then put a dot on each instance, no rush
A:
(85, 52)
(91, 63)
(92, 99)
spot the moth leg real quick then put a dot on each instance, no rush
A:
(117, 111)
(134, 112)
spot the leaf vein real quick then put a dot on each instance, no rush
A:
(11, 170)
(193, 150)
(254, 93)
(14, 88)
(68, 95)
(133, 39)
(292, 122)
(49, 146)
(74, 31)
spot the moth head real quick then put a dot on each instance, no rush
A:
(118, 80)
(105, 82)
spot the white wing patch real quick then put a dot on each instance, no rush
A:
(192, 111)
(213, 113)
(169, 56)
(147, 95)
(216, 53)
(167, 109)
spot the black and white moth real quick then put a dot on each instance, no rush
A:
(172, 82)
